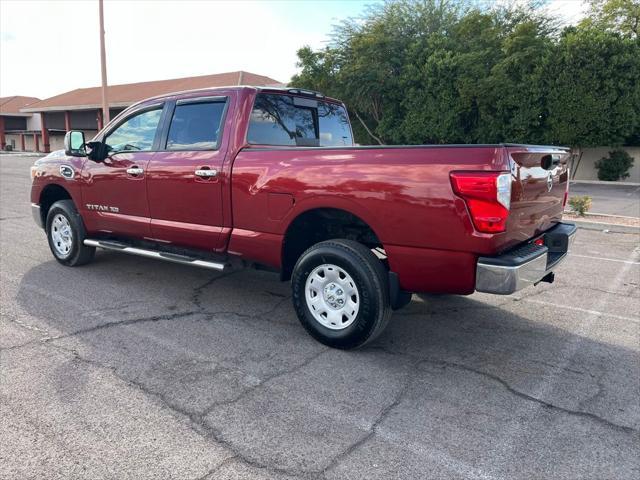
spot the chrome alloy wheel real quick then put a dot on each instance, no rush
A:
(332, 296)
(61, 235)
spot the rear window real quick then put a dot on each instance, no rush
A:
(286, 120)
(195, 126)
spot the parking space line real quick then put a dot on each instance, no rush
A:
(628, 262)
(583, 310)
(439, 456)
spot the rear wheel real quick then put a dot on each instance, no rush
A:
(66, 234)
(341, 293)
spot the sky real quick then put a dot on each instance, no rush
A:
(48, 47)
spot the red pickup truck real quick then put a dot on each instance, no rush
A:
(225, 177)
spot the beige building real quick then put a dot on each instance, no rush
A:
(40, 125)
(585, 167)
(18, 130)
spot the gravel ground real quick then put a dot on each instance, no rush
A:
(131, 368)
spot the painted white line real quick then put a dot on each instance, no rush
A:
(628, 262)
(441, 457)
(582, 310)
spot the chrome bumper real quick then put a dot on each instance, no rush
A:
(37, 215)
(526, 265)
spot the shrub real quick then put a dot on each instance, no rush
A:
(615, 167)
(580, 205)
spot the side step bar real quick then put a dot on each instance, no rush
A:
(142, 252)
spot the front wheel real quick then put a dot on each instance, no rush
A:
(341, 293)
(66, 234)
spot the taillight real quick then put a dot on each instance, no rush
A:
(488, 198)
(566, 195)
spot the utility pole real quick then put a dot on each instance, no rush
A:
(103, 65)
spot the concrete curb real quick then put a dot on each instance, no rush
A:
(604, 182)
(610, 227)
(24, 154)
(594, 214)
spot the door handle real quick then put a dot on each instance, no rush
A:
(206, 173)
(135, 171)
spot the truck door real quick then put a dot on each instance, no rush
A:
(184, 180)
(114, 190)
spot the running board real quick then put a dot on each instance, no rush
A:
(142, 252)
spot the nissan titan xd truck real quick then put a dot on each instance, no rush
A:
(223, 178)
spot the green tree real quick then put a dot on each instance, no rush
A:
(593, 88)
(622, 16)
(513, 106)
(365, 61)
(435, 71)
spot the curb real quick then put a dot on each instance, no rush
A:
(604, 182)
(23, 154)
(595, 214)
(608, 227)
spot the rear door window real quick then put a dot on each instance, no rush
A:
(335, 129)
(280, 120)
(196, 126)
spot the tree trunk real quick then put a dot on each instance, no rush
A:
(367, 129)
(576, 153)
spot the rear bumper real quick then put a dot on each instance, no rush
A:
(527, 264)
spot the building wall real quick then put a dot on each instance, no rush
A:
(586, 169)
(89, 134)
(56, 140)
(28, 143)
(80, 119)
(14, 139)
(34, 123)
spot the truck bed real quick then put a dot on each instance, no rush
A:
(403, 193)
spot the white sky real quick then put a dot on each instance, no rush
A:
(48, 47)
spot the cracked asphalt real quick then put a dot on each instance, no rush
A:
(132, 368)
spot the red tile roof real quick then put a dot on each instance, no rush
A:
(12, 105)
(125, 95)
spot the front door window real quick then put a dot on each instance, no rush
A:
(136, 134)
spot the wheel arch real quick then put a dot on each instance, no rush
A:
(316, 224)
(49, 195)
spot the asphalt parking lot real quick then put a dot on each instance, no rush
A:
(132, 368)
(613, 199)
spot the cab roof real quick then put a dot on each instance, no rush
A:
(241, 88)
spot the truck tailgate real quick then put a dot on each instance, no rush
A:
(540, 176)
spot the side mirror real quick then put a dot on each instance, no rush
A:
(74, 144)
(98, 151)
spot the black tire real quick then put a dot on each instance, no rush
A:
(371, 280)
(78, 253)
